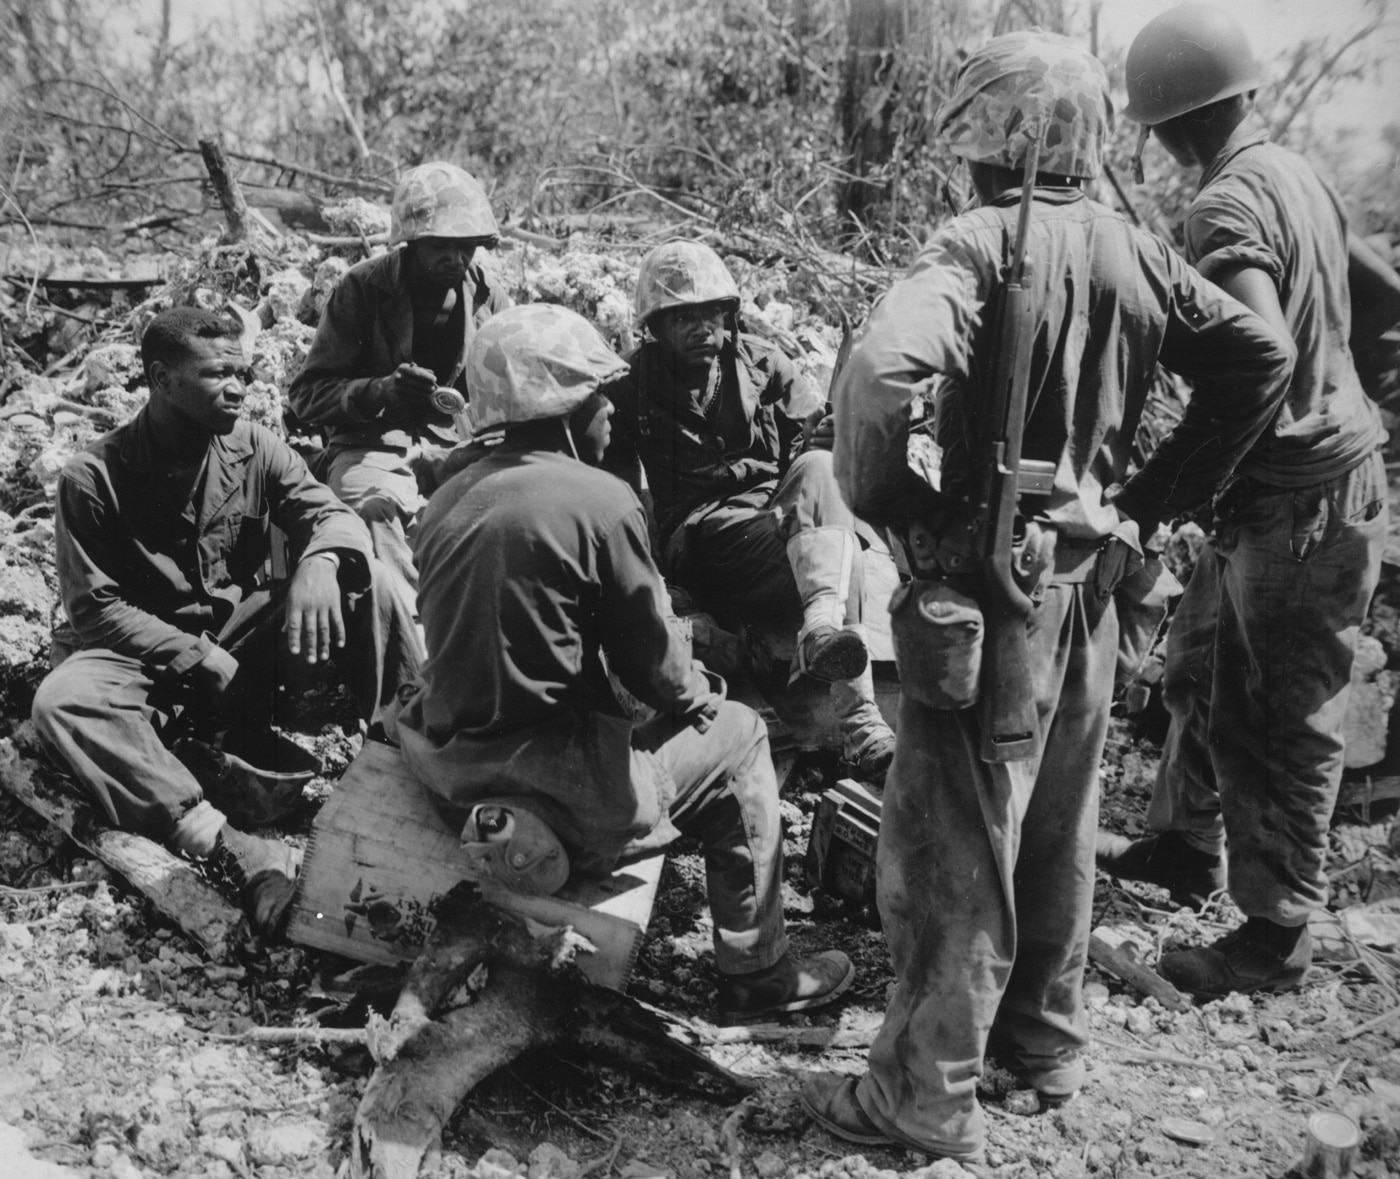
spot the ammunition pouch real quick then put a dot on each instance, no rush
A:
(937, 630)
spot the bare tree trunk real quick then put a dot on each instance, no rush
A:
(161, 56)
(226, 188)
(875, 30)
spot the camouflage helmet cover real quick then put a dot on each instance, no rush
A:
(682, 273)
(441, 200)
(1024, 80)
(534, 362)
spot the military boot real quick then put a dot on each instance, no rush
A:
(262, 871)
(822, 560)
(1258, 956)
(790, 984)
(1166, 860)
(867, 741)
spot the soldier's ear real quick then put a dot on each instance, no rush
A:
(158, 376)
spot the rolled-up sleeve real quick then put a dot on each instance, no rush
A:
(919, 332)
(1239, 368)
(1225, 228)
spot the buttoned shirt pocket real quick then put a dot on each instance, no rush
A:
(234, 548)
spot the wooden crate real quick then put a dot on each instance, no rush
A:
(381, 857)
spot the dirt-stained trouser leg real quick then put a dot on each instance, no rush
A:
(985, 888)
(727, 798)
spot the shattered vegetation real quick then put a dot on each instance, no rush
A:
(125, 1053)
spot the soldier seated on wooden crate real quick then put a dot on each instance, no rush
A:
(747, 508)
(163, 532)
(534, 569)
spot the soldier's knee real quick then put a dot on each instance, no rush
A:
(380, 508)
(60, 695)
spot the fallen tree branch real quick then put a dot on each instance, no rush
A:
(308, 1035)
(729, 1131)
(173, 885)
(1150, 1056)
(1136, 975)
(793, 1037)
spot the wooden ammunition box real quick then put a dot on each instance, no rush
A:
(841, 848)
(381, 857)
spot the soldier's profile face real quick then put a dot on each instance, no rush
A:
(206, 387)
(591, 428)
(1172, 135)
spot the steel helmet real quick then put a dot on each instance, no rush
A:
(1030, 82)
(681, 273)
(1187, 58)
(534, 362)
(441, 200)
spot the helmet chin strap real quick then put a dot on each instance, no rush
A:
(569, 438)
(1143, 136)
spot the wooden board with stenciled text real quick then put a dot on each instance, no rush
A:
(381, 857)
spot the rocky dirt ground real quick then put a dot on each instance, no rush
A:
(124, 1053)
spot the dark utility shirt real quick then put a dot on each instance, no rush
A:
(534, 568)
(366, 332)
(149, 571)
(1109, 303)
(702, 446)
(1263, 205)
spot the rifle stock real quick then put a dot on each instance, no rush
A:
(1009, 722)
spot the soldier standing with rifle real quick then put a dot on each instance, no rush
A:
(1043, 314)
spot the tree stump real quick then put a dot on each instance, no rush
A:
(488, 987)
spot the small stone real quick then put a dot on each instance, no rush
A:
(1023, 1102)
(16, 937)
(547, 1161)
(1307, 1085)
(123, 1168)
(497, 1164)
(287, 1140)
(769, 1165)
(228, 1149)
(1140, 1022)
(104, 1154)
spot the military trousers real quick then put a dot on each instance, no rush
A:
(985, 883)
(383, 489)
(1257, 679)
(734, 556)
(105, 713)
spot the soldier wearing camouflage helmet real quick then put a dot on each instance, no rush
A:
(535, 566)
(1253, 757)
(985, 871)
(393, 339)
(748, 512)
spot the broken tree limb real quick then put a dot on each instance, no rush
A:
(226, 189)
(173, 885)
(512, 986)
(1136, 975)
(409, 1100)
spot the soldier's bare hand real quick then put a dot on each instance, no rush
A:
(819, 431)
(314, 619)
